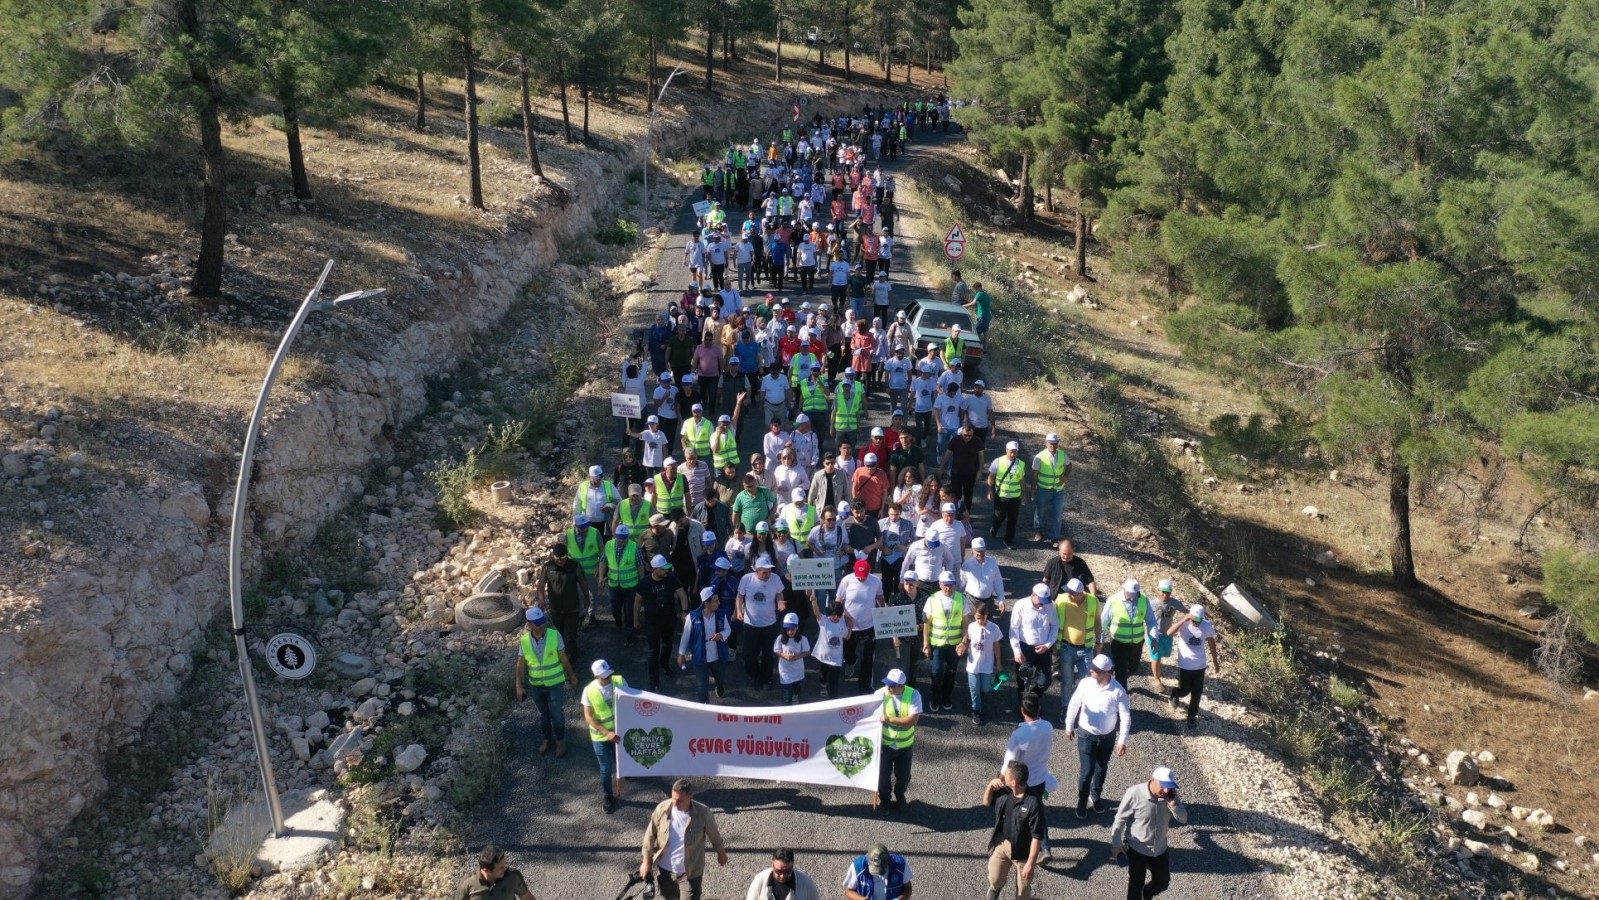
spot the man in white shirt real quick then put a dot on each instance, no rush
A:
(807, 449)
(978, 407)
(838, 280)
(1034, 628)
(760, 594)
(746, 264)
(775, 438)
(897, 372)
(1031, 744)
(861, 592)
(924, 389)
(952, 535)
(1192, 634)
(981, 579)
(947, 410)
(1098, 718)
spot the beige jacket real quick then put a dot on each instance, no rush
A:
(701, 824)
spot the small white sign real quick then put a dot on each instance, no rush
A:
(291, 656)
(896, 621)
(701, 208)
(812, 574)
(625, 406)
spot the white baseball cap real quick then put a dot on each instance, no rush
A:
(763, 562)
(1166, 778)
(660, 562)
(1102, 663)
(707, 593)
(843, 506)
(1012, 445)
(801, 419)
(535, 614)
(1041, 591)
(791, 620)
(895, 677)
(1132, 588)
(669, 461)
(797, 495)
(1197, 611)
(979, 544)
(947, 508)
(956, 327)
(946, 577)
(596, 471)
(1052, 438)
(979, 383)
(601, 669)
(653, 420)
(708, 537)
(1075, 586)
(877, 431)
(1165, 586)
(871, 459)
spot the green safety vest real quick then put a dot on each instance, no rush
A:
(635, 520)
(673, 499)
(955, 349)
(698, 435)
(1051, 470)
(1011, 474)
(1090, 604)
(785, 205)
(725, 449)
(945, 630)
(848, 414)
(898, 736)
(604, 713)
(799, 368)
(580, 503)
(588, 555)
(813, 397)
(546, 671)
(795, 528)
(1124, 629)
(621, 573)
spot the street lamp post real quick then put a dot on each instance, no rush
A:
(312, 303)
(649, 150)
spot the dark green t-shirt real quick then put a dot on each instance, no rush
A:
(473, 887)
(984, 304)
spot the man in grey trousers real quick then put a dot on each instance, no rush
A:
(1143, 821)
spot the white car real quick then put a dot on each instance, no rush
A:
(930, 322)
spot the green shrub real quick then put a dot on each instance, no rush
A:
(455, 482)
(1345, 694)
(502, 448)
(1571, 580)
(623, 233)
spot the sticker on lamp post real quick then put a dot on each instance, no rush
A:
(291, 656)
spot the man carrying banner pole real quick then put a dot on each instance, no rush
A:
(674, 843)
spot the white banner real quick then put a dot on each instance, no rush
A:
(820, 574)
(895, 621)
(835, 742)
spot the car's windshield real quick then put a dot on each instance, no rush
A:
(939, 318)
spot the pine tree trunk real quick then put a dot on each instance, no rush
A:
(1080, 259)
(214, 224)
(474, 159)
(566, 117)
(778, 63)
(527, 118)
(649, 77)
(421, 102)
(583, 86)
(710, 50)
(727, 46)
(1024, 201)
(288, 100)
(1400, 554)
(847, 24)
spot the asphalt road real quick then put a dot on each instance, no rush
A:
(549, 817)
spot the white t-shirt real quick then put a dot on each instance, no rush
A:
(830, 638)
(655, 442)
(977, 409)
(924, 389)
(675, 861)
(949, 411)
(791, 670)
(899, 373)
(1189, 641)
(860, 599)
(980, 652)
(774, 388)
(760, 599)
(839, 272)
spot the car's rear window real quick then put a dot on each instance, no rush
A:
(938, 318)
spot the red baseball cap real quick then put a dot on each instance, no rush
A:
(862, 568)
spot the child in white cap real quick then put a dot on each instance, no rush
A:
(791, 648)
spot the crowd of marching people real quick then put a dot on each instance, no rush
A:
(686, 543)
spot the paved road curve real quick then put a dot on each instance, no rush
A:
(548, 815)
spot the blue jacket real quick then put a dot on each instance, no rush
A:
(895, 876)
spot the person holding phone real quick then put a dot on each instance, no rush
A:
(1141, 830)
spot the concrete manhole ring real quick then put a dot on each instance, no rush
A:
(489, 612)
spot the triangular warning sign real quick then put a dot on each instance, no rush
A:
(955, 234)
